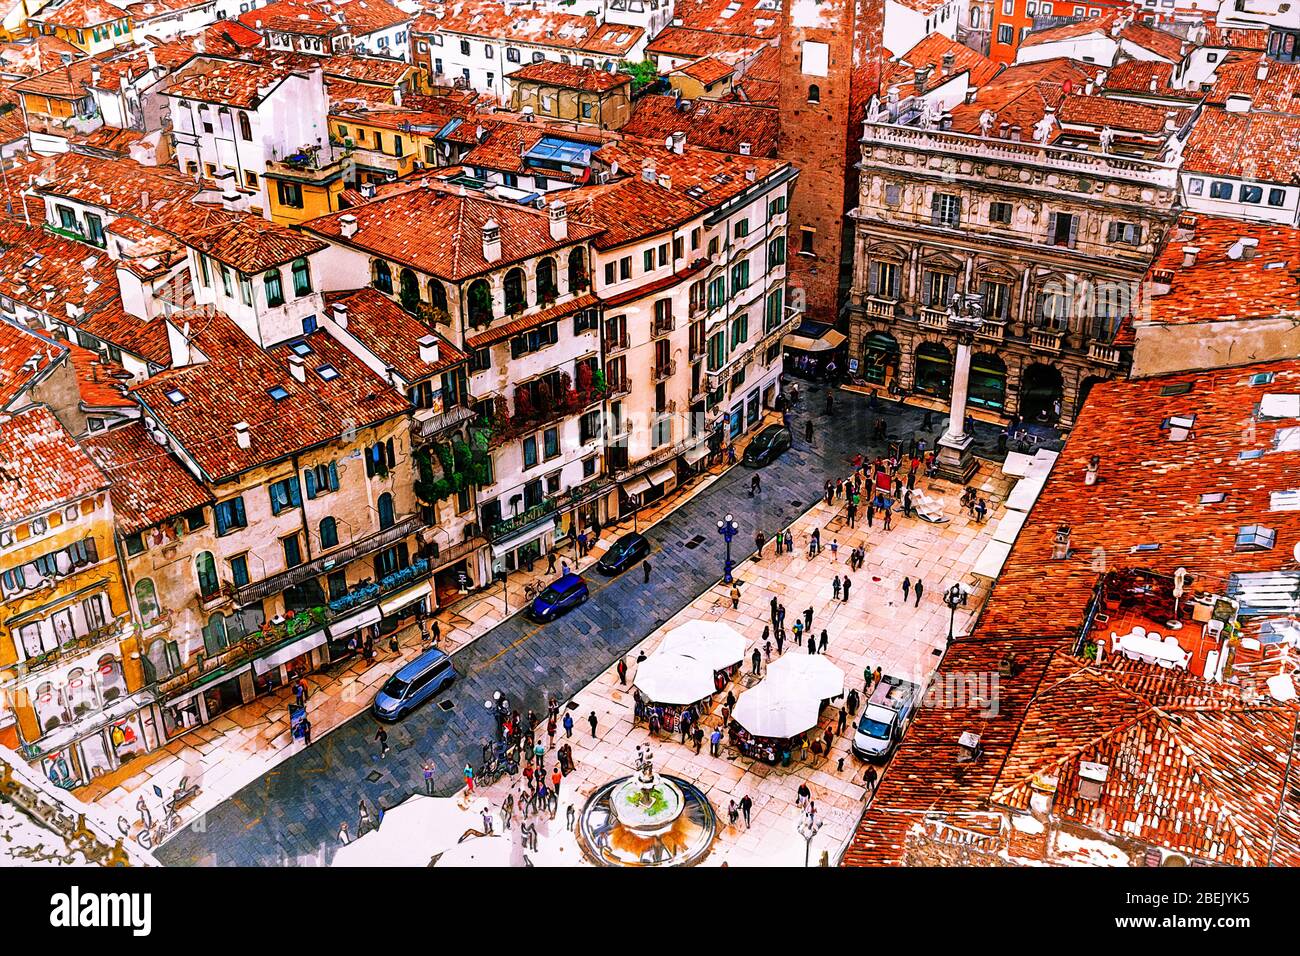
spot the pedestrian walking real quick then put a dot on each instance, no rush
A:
(828, 738)
(807, 619)
(363, 813)
(591, 719)
(808, 431)
(569, 816)
(733, 812)
(835, 587)
(715, 742)
(485, 814)
(780, 543)
(539, 755)
(848, 583)
(780, 641)
(697, 735)
(803, 794)
(772, 605)
(735, 597)
(427, 770)
(568, 725)
(343, 833)
(550, 562)
(797, 629)
(907, 588)
(645, 572)
(842, 722)
(468, 773)
(300, 692)
(382, 737)
(851, 701)
(812, 643)
(550, 732)
(756, 661)
(780, 616)
(889, 518)
(869, 778)
(871, 513)
(821, 645)
(564, 568)
(830, 491)
(306, 733)
(746, 804)
(557, 778)
(755, 485)
(918, 589)
(622, 670)
(789, 543)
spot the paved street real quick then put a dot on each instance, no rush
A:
(292, 813)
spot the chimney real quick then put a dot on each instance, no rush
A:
(1088, 88)
(341, 315)
(666, 181)
(1243, 248)
(297, 368)
(969, 742)
(1189, 256)
(919, 79)
(151, 59)
(1152, 85)
(679, 142)
(1090, 474)
(347, 226)
(242, 438)
(971, 93)
(1092, 780)
(750, 174)
(746, 149)
(94, 76)
(1061, 543)
(1261, 71)
(491, 241)
(558, 217)
(648, 171)
(428, 350)
(949, 60)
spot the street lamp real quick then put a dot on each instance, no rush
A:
(808, 830)
(727, 527)
(500, 709)
(954, 597)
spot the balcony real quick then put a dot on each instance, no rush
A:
(114, 630)
(308, 165)
(1047, 340)
(664, 324)
(618, 386)
(878, 308)
(428, 427)
(615, 343)
(665, 370)
(933, 318)
(993, 330)
(544, 509)
(1105, 354)
(278, 583)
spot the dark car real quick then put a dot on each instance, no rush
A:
(767, 445)
(565, 592)
(624, 553)
(414, 684)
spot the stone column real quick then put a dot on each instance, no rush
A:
(956, 463)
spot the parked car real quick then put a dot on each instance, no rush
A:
(766, 446)
(565, 592)
(885, 718)
(624, 553)
(414, 684)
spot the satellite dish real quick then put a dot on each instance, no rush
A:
(1295, 552)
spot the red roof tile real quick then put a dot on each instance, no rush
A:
(681, 41)
(931, 52)
(561, 31)
(41, 467)
(149, 485)
(709, 124)
(393, 335)
(569, 76)
(247, 243)
(80, 13)
(25, 357)
(706, 70)
(1256, 145)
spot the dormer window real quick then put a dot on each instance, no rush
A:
(1255, 537)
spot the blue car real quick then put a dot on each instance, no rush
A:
(565, 592)
(414, 684)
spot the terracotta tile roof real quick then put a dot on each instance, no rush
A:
(234, 385)
(759, 81)
(706, 70)
(755, 18)
(241, 240)
(80, 13)
(392, 117)
(1234, 38)
(1218, 287)
(41, 467)
(1278, 92)
(562, 31)
(682, 41)
(931, 52)
(351, 92)
(101, 383)
(1167, 46)
(362, 17)
(109, 140)
(650, 288)
(68, 81)
(226, 38)
(146, 338)
(121, 185)
(1256, 145)
(499, 333)
(240, 83)
(393, 334)
(1072, 31)
(381, 70)
(396, 227)
(13, 126)
(37, 54)
(25, 357)
(570, 76)
(144, 10)
(1076, 109)
(149, 485)
(1020, 94)
(49, 274)
(1135, 76)
(708, 124)
(630, 208)
(505, 144)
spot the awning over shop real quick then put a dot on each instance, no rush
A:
(532, 534)
(637, 486)
(410, 595)
(991, 559)
(207, 681)
(287, 653)
(827, 340)
(1009, 526)
(695, 454)
(341, 629)
(93, 723)
(665, 475)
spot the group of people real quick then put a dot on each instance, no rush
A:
(973, 503)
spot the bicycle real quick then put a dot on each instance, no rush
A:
(150, 837)
(532, 591)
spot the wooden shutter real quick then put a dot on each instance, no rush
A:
(934, 209)
(1074, 230)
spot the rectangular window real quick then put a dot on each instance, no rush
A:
(530, 451)
(625, 267)
(649, 260)
(776, 252)
(741, 228)
(1005, 33)
(95, 230)
(284, 495)
(1125, 233)
(1000, 213)
(292, 551)
(205, 270)
(807, 241)
(1251, 194)
(1276, 197)
(739, 276)
(239, 570)
(1220, 190)
(290, 194)
(610, 277)
(245, 290)
(945, 210)
(226, 287)
(321, 479)
(551, 442)
(230, 515)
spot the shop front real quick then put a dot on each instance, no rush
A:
(933, 370)
(300, 656)
(404, 607)
(215, 694)
(98, 743)
(519, 551)
(343, 630)
(815, 350)
(695, 459)
(880, 356)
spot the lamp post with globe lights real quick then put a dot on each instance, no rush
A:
(727, 527)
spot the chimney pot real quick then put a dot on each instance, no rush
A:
(558, 217)
(297, 368)
(348, 226)
(491, 240)
(679, 142)
(341, 315)
(428, 350)
(242, 437)
(746, 149)
(1189, 256)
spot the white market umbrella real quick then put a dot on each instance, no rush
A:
(776, 710)
(717, 644)
(810, 674)
(411, 833)
(493, 851)
(669, 678)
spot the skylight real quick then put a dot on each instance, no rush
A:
(1178, 388)
(327, 372)
(300, 348)
(1251, 454)
(1145, 548)
(279, 393)
(1262, 378)
(1255, 537)
(1213, 497)
(1284, 500)
(175, 396)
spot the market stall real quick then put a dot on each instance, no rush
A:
(669, 685)
(770, 718)
(811, 675)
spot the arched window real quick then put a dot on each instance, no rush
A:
(480, 303)
(383, 277)
(548, 288)
(245, 128)
(206, 567)
(516, 300)
(577, 270)
(274, 287)
(301, 277)
(329, 532)
(81, 694)
(48, 704)
(814, 93)
(438, 296)
(146, 601)
(409, 289)
(386, 516)
(112, 682)
(158, 663)
(214, 635)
